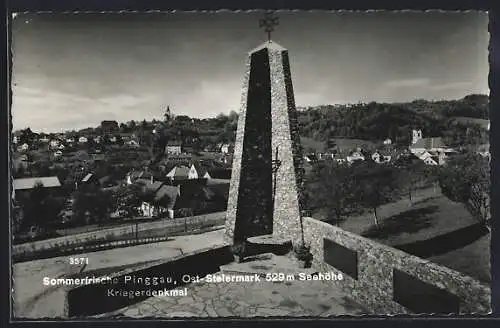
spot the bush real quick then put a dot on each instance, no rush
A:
(303, 253)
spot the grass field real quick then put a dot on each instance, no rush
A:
(342, 144)
(470, 120)
(473, 260)
(432, 215)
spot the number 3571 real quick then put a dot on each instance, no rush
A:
(78, 260)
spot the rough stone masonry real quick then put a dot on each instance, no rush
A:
(263, 201)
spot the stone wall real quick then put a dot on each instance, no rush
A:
(373, 284)
(76, 303)
(176, 225)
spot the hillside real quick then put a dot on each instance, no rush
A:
(457, 121)
(454, 120)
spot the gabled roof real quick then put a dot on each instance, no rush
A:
(428, 143)
(171, 192)
(148, 186)
(199, 168)
(87, 177)
(174, 143)
(30, 183)
(386, 152)
(179, 172)
(356, 153)
(311, 157)
(139, 175)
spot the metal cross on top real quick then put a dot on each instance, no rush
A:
(269, 22)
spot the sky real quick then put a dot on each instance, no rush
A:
(72, 71)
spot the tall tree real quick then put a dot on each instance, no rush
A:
(410, 175)
(330, 189)
(26, 136)
(375, 185)
(461, 173)
(128, 199)
(35, 206)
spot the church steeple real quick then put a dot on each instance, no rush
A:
(167, 115)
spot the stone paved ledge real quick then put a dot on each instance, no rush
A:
(288, 297)
(33, 300)
(243, 299)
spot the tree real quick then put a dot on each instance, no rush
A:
(375, 185)
(460, 173)
(131, 125)
(159, 140)
(409, 175)
(151, 197)
(34, 206)
(26, 136)
(330, 189)
(102, 205)
(127, 199)
(92, 205)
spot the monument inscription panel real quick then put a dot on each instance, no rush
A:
(421, 297)
(341, 258)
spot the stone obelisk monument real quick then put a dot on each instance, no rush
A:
(266, 181)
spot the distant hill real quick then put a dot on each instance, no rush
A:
(375, 122)
(343, 125)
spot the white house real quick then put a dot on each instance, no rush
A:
(434, 145)
(173, 148)
(58, 153)
(97, 139)
(14, 140)
(310, 158)
(112, 139)
(226, 148)
(430, 161)
(23, 147)
(387, 141)
(326, 156)
(61, 147)
(172, 194)
(428, 158)
(132, 143)
(44, 140)
(355, 156)
(442, 158)
(378, 157)
(180, 173)
(54, 143)
(198, 172)
(70, 140)
(416, 136)
(83, 140)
